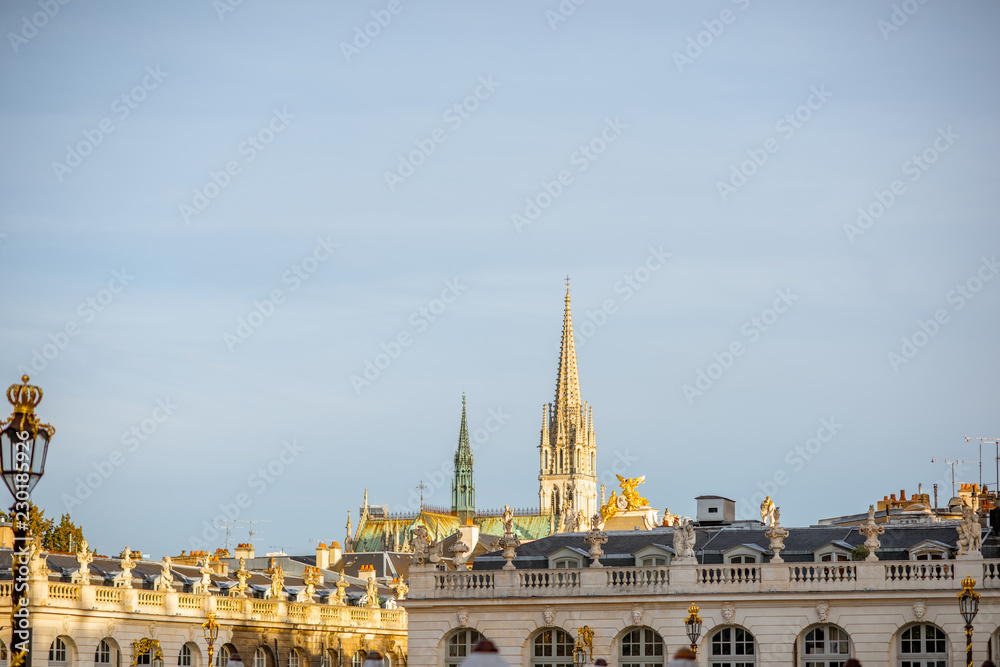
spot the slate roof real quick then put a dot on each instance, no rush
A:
(712, 542)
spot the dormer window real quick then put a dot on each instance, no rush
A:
(566, 563)
(744, 554)
(929, 550)
(833, 552)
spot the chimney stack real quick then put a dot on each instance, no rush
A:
(244, 550)
(322, 556)
(335, 553)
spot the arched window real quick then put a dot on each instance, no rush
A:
(459, 646)
(222, 656)
(259, 657)
(3, 654)
(732, 647)
(184, 657)
(641, 647)
(826, 646)
(329, 658)
(552, 648)
(923, 645)
(102, 656)
(58, 655)
(386, 660)
(293, 658)
(358, 660)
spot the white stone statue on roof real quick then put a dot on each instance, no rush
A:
(420, 543)
(127, 565)
(461, 551)
(166, 576)
(508, 520)
(970, 533)
(684, 540)
(277, 581)
(767, 511)
(371, 592)
(206, 574)
(84, 557)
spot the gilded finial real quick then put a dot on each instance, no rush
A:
(25, 398)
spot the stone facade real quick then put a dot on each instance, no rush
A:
(83, 615)
(870, 610)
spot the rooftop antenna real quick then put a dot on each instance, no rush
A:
(952, 463)
(229, 523)
(995, 441)
(251, 531)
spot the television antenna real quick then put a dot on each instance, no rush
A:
(952, 463)
(995, 441)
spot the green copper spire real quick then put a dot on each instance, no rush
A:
(463, 487)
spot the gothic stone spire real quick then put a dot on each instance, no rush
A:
(463, 487)
(568, 449)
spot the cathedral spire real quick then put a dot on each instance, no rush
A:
(568, 451)
(568, 379)
(463, 487)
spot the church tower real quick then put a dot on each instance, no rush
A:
(463, 486)
(567, 474)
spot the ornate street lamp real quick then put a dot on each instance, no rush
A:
(24, 444)
(211, 629)
(693, 623)
(579, 654)
(968, 604)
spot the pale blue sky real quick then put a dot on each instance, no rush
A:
(888, 95)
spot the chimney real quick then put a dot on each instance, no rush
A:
(244, 550)
(935, 496)
(322, 556)
(335, 553)
(366, 572)
(469, 534)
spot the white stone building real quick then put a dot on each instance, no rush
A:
(817, 607)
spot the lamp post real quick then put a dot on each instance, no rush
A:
(693, 623)
(968, 604)
(579, 654)
(211, 629)
(24, 444)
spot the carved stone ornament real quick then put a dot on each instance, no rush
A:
(919, 609)
(823, 610)
(970, 533)
(684, 541)
(596, 539)
(111, 626)
(66, 625)
(728, 612)
(871, 531)
(549, 616)
(463, 617)
(637, 615)
(776, 534)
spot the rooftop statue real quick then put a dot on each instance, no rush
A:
(634, 500)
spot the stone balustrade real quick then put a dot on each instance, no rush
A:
(56, 595)
(683, 579)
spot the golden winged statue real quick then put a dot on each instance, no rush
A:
(635, 501)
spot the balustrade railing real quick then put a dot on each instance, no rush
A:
(639, 577)
(822, 573)
(919, 571)
(728, 574)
